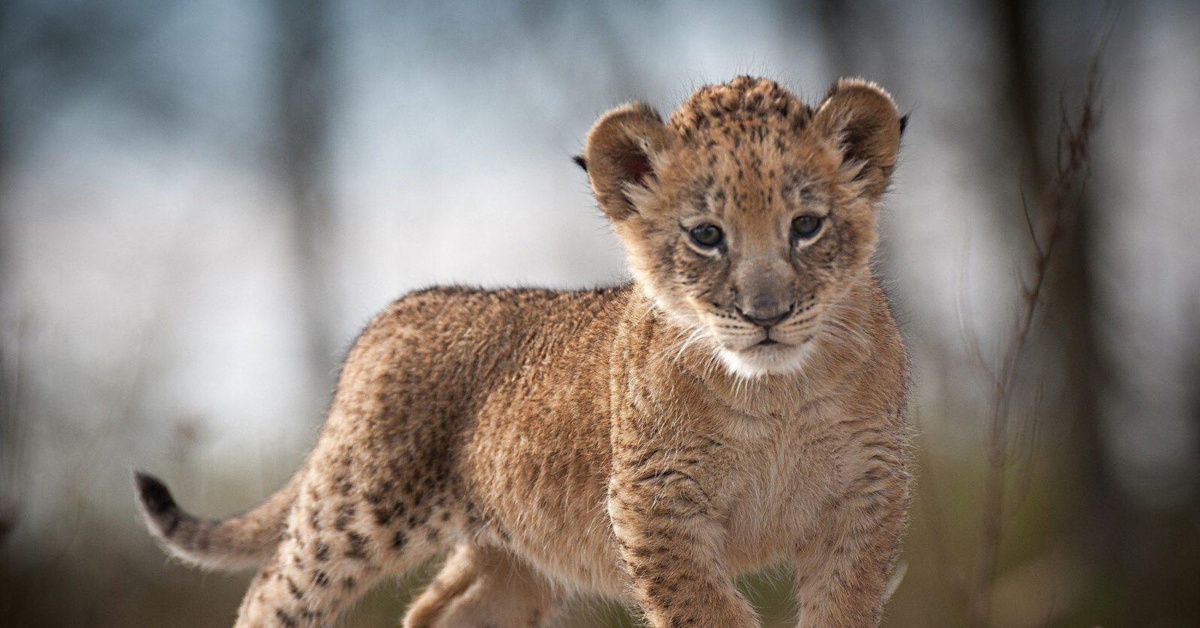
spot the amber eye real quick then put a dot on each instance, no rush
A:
(707, 235)
(805, 227)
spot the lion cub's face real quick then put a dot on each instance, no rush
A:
(749, 214)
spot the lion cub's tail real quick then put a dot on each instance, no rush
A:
(238, 542)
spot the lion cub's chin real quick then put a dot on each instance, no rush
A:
(761, 360)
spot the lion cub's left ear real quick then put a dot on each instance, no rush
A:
(864, 119)
(623, 150)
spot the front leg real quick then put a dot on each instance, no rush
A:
(671, 541)
(842, 571)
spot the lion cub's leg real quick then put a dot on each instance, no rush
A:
(842, 570)
(457, 575)
(338, 543)
(671, 543)
(290, 591)
(314, 573)
(841, 574)
(484, 587)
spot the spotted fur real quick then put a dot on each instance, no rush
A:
(647, 442)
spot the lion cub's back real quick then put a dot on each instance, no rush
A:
(458, 344)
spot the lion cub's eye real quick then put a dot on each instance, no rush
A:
(707, 235)
(805, 227)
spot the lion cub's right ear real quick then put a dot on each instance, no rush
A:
(624, 150)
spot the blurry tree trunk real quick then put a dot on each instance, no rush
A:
(1071, 298)
(9, 434)
(838, 34)
(859, 38)
(628, 78)
(6, 149)
(8, 65)
(304, 106)
(1073, 303)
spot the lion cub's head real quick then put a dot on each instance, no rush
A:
(749, 214)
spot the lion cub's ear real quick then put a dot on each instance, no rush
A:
(864, 119)
(623, 149)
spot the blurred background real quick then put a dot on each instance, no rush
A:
(201, 202)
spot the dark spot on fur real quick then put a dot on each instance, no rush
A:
(358, 546)
(293, 589)
(345, 514)
(285, 619)
(384, 515)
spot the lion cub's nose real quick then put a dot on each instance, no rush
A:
(765, 317)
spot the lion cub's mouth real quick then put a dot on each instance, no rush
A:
(768, 355)
(770, 342)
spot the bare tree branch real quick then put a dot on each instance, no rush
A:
(1063, 203)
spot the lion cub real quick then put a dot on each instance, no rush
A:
(739, 404)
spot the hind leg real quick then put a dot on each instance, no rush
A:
(306, 583)
(338, 543)
(480, 588)
(457, 575)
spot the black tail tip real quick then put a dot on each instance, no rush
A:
(580, 161)
(153, 494)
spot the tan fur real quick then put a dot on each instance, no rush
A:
(638, 442)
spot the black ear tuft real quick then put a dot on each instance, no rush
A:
(904, 122)
(580, 161)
